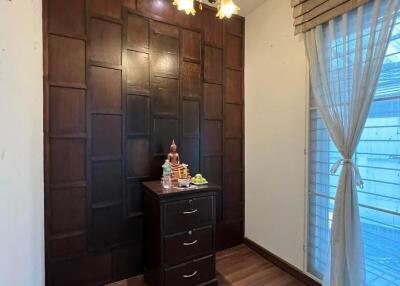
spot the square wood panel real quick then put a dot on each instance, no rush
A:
(138, 158)
(138, 115)
(233, 86)
(106, 90)
(191, 119)
(66, 61)
(107, 226)
(67, 17)
(212, 136)
(233, 155)
(235, 25)
(165, 94)
(137, 37)
(164, 44)
(68, 210)
(105, 42)
(191, 45)
(165, 29)
(212, 169)
(165, 130)
(212, 101)
(106, 135)
(213, 65)
(233, 120)
(135, 198)
(190, 154)
(164, 64)
(68, 246)
(106, 181)
(128, 257)
(109, 8)
(130, 4)
(138, 72)
(67, 160)
(233, 194)
(212, 28)
(234, 52)
(67, 111)
(191, 79)
(89, 270)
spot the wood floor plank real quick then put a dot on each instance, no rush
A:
(239, 266)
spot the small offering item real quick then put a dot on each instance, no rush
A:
(199, 180)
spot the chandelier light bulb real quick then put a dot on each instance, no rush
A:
(227, 8)
(185, 5)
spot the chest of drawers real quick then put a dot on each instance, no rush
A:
(179, 235)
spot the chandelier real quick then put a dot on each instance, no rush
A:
(226, 8)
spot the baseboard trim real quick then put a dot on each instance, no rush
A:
(284, 265)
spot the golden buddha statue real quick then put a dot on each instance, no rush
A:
(179, 171)
(173, 155)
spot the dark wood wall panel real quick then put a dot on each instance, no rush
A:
(105, 42)
(213, 65)
(67, 17)
(233, 86)
(212, 29)
(191, 45)
(67, 160)
(106, 87)
(164, 131)
(230, 230)
(122, 79)
(137, 35)
(67, 61)
(191, 79)
(68, 209)
(110, 8)
(138, 160)
(106, 182)
(212, 101)
(234, 56)
(68, 115)
(138, 115)
(165, 94)
(106, 135)
(137, 70)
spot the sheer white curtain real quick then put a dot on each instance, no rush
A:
(345, 57)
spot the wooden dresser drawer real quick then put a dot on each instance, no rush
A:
(186, 214)
(192, 273)
(183, 246)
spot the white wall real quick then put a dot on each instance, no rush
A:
(21, 143)
(276, 94)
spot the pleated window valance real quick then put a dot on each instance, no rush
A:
(310, 13)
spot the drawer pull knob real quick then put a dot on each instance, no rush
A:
(191, 275)
(191, 212)
(190, 243)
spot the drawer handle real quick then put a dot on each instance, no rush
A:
(191, 212)
(190, 243)
(191, 275)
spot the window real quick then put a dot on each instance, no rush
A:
(378, 157)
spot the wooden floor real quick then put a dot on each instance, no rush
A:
(240, 266)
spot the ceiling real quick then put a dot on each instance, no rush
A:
(246, 6)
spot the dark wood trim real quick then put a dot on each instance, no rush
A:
(284, 265)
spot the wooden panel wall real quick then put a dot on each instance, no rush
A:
(122, 79)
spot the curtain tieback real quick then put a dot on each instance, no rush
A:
(335, 167)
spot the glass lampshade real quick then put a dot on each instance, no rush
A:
(185, 5)
(227, 8)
